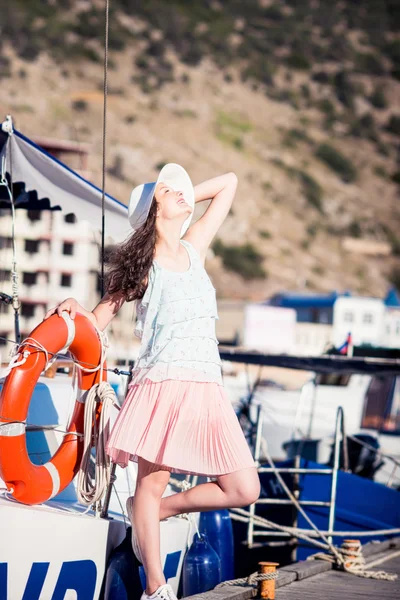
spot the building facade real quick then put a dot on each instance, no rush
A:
(57, 257)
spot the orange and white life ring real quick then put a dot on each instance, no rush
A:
(30, 483)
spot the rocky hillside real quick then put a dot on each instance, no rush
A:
(299, 97)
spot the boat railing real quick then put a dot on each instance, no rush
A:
(296, 471)
(308, 387)
(294, 495)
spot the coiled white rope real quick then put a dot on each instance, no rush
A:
(91, 488)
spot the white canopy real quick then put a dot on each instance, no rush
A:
(64, 187)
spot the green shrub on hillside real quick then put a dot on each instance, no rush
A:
(393, 239)
(5, 67)
(365, 127)
(298, 61)
(297, 135)
(392, 50)
(318, 270)
(344, 89)
(382, 148)
(312, 190)
(310, 187)
(380, 171)
(261, 70)
(142, 62)
(354, 229)
(378, 98)
(393, 124)
(284, 95)
(312, 230)
(370, 63)
(230, 127)
(337, 162)
(244, 259)
(305, 91)
(80, 105)
(322, 77)
(327, 107)
(273, 12)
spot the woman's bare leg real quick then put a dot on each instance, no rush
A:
(150, 486)
(232, 490)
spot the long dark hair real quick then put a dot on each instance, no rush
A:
(128, 263)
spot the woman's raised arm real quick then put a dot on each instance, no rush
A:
(221, 190)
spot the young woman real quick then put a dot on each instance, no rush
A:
(176, 416)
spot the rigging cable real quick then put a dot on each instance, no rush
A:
(103, 185)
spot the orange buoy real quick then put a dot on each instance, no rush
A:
(30, 483)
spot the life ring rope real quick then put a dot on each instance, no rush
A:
(14, 362)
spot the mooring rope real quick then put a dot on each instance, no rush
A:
(354, 562)
(251, 579)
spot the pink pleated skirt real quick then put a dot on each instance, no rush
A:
(182, 426)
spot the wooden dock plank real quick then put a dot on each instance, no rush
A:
(336, 585)
(316, 580)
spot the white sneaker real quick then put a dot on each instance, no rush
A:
(164, 592)
(135, 544)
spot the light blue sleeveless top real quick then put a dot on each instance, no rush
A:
(176, 325)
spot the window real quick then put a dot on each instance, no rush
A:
(68, 248)
(32, 246)
(5, 242)
(29, 278)
(4, 308)
(368, 318)
(377, 402)
(325, 316)
(304, 315)
(337, 379)
(3, 342)
(70, 218)
(348, 317)
(27, 310)
(66, 279)
(5, 275)
(392, 422)
(34, 215)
